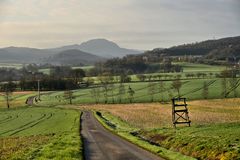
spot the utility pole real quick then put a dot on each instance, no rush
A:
(38, 89)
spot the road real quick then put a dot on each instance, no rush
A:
(30, 100)
(100, 144)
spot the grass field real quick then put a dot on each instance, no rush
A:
(45, 133)
(11, 65)
(214, 133)
(192, 89)
(47, 70)
(193, 67)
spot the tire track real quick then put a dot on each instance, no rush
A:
(26, 124)
(28, 127)
(4, 119)
(9, 119)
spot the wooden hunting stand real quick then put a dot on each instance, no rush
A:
(180, 112)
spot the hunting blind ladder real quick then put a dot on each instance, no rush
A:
(180, 112)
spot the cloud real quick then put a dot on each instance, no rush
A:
(139, 24)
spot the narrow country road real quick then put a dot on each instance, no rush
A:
(100, 144)
(30, 100)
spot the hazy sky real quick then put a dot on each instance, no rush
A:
(140, 24)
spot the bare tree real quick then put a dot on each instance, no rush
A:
(224, 87)
(105, 82)
(151, 90)
(161, 90)
(141, 77)
(149, 77)
(211, 75)
(233, 84)
(95, 92)
(177, 84)
(205, 90)
(8, 88)
(121, 92)
(130, 94)
(111, 89)
(68, 95)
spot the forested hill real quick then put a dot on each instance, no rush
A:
(74, 57)
(214, 49)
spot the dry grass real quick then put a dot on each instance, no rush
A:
(155, 115)
(215, 111)
(23, 92)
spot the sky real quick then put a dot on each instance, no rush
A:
(137, 24)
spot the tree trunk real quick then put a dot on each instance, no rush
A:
(7, 97)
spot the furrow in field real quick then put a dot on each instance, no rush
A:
(32, 125)
(198, 89)
(165, 90)
(22, 126)
(10, 118)
(6, 118)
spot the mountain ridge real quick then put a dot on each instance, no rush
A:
(218, 49)
(99, 47)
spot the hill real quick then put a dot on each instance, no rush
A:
(211, 49)
(73, 57)
(23, 55)
(100, 47)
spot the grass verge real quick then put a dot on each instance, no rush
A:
(126, 131)
(212, 142)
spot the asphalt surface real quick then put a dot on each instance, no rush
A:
(100, 144)
(30, 100)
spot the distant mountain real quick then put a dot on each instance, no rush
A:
(211, 49)
(73, 57)
(23, 55)
(100, 47)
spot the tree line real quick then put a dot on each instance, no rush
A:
(129, 65)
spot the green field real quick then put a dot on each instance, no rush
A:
(45, 133)
(84, 67)
(193, 67)
(47, 70)
(192, 89)
(11, 65)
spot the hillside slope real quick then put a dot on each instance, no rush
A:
(73, 57)
(212, 49)
(100, 47)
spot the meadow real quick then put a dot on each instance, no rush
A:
(39, 133)
(214, 132)
(144, 92)
(11, 65)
